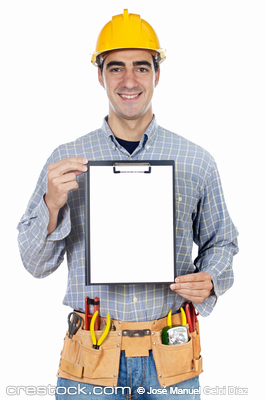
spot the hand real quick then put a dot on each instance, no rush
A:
(61, 178)
(194, 287)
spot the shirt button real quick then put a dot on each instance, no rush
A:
(135, 299)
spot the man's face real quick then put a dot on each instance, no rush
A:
(129, 79)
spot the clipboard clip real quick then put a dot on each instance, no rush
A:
(127, 168)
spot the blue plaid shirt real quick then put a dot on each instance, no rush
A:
(201, 216)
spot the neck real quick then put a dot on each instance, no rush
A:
(130, 130)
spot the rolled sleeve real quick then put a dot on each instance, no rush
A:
(216, 237)
(42, 253)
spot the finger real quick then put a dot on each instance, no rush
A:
(66, 172)
(65, 178)
(69, 166)
(196, 296)
(192, 285)
(76, 172)
(193, 293)
(68, 163)
(195, 299)
(66, 187)
(195, 277)
(56, 181)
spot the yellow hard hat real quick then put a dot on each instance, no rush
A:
(127, 31)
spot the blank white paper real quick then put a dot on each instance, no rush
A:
(131, 226)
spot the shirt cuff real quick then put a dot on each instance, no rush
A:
(63, 224)
(207, 306)
(41, 216)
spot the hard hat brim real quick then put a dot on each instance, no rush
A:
(96, 60)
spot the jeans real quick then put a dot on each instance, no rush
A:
(137, 379)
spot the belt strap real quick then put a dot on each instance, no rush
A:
(154, 325)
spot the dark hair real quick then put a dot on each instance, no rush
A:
(155, 63)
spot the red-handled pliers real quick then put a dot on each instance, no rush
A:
(191, 316)
(89, 316)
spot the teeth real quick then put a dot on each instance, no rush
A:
(128, 97)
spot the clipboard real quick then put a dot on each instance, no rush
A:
(129, 222)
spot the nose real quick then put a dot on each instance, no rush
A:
(129, 80)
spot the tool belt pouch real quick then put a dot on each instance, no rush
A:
(80, 362)
(100, 367)
(177, 363)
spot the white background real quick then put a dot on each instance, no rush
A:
(212, 91)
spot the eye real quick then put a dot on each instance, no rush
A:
(142, 69)
(116, 69)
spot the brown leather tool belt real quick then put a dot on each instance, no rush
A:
(100, 367)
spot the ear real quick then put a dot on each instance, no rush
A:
(100, 78)
(157, 77)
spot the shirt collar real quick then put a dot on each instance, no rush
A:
(149, 134)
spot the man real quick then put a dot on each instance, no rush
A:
(128, 58)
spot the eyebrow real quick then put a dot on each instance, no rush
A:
(122, 64)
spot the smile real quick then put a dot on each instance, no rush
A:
(126, 96)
